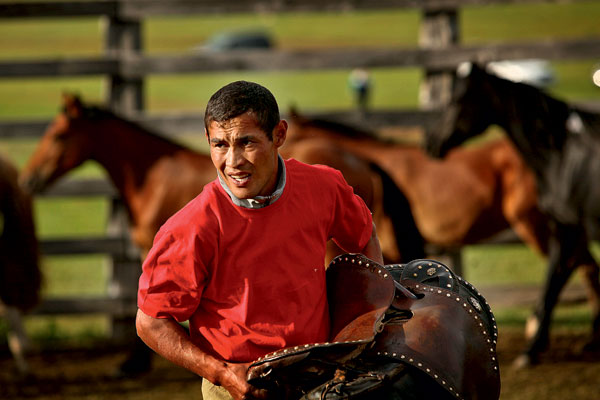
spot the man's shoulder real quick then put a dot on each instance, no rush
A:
(199, 209)
(314, 170)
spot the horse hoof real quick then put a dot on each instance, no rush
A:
(131, 369)
(592, 347)
(523, 361)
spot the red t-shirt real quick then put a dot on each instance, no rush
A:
(252, 281)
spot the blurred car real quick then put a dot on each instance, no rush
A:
(533, 72)
(237, 40)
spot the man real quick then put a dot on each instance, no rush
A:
(243, 262)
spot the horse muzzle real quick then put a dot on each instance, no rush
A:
(33, 183)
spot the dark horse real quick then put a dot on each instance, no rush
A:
(561, 145)
(20, 276)
(155, 177)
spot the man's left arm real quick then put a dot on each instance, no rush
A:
(372, 249)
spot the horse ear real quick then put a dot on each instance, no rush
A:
(469, 69)
(72, 105)
(294, 115)
(464, 69)
(293, 112)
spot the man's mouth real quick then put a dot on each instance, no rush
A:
(240, 179)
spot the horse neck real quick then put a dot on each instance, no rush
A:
(127, 153)
(534, 121)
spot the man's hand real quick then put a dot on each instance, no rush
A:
(234, 381)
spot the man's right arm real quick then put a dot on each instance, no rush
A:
(170, 340)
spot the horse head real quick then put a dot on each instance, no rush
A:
(469, 113)
(63, 146)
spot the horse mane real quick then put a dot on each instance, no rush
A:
(534, 102)
(340, 128)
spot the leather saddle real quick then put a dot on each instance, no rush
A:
(400, 331)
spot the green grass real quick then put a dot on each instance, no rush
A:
(71, 216)
(527, 22)
(51, 332)
(500, 264)
(312, 90)
(565, 317)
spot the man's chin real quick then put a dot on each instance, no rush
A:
(242, 194)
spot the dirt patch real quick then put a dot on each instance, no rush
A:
(565, 372)
(68, 375)
(80, 374)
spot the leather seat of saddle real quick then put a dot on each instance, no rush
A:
(419, 314)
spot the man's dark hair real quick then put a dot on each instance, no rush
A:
(239, 97)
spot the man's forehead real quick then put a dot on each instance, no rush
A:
(242, 125)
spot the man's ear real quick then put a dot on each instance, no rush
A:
(280, 133)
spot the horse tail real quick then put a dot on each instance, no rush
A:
(20, 275)
(409, 241)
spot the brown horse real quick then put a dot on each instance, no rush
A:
(155, 177)
(20, 275)
(466, 198)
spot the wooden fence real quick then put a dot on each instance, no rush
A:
(126, 66)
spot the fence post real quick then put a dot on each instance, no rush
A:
(123, 37)
(439, 29)
(126, 270)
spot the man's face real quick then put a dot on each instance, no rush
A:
(244, 156)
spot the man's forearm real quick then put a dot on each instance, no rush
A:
(170, 340)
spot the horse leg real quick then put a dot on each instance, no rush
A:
(17, 338)
(563, 246)
(590, 272)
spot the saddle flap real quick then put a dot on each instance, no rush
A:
(359, 292)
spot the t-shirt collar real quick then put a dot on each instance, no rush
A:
(259, 201)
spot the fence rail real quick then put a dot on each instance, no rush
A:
(137, 66)
(146, 8)
(173, 125)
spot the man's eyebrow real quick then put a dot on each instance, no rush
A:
(244, 138)
(238, 139)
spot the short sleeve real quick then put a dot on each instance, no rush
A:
(172, 277)
(352, 224)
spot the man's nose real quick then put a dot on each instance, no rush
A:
(234, 157)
